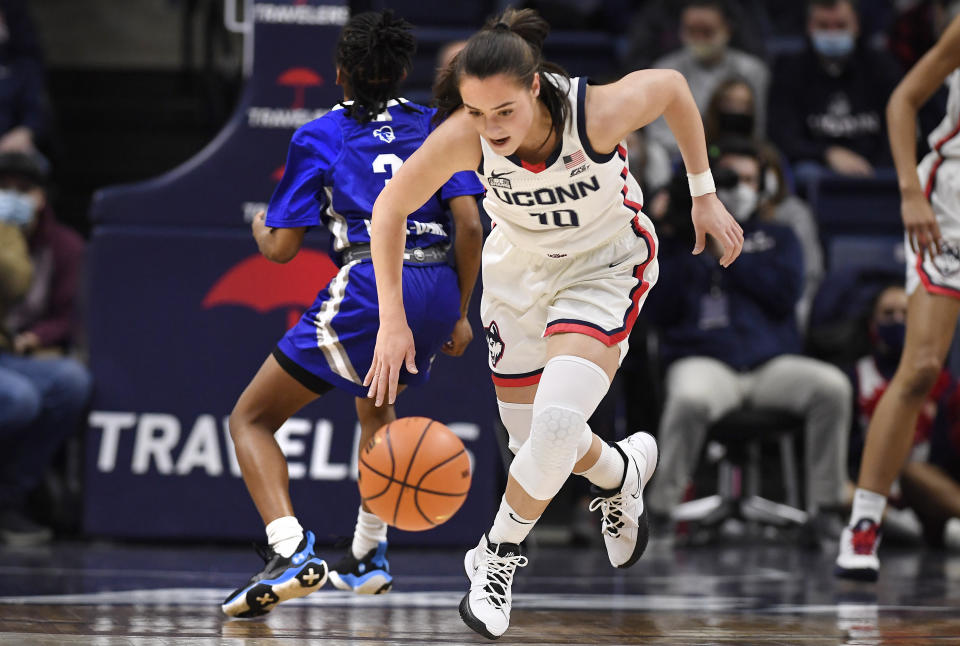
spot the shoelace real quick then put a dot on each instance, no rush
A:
(612, 511)
(500, 571)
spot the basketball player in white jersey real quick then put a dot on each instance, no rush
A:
(930, 207)
(565, 271)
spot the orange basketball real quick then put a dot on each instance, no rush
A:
(414, 473)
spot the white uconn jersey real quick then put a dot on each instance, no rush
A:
(576, 200)
(945, 138)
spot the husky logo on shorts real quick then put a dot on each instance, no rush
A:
(384, 134)
(947, 261)
(494, 343)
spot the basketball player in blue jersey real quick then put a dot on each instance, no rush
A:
(336, 167)
(930, 208)
(565, 271)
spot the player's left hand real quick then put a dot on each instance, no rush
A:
(460, 338)
(710, 216)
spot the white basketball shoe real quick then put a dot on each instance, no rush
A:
(625, 526)
(857, 558)
(490, 568)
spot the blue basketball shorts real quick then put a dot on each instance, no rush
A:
(334, 340)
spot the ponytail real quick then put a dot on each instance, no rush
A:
(510, 44)
(374, 52)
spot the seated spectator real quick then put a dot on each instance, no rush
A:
(828, 101)
(729, 338)
(706, 60)
(930, 482)
(23, 96)
(43, 393)
(731, 113)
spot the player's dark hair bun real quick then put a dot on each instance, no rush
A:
(374, 53)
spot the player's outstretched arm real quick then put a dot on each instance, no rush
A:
(454, 146)
(639, 98)
(913, 91)
(467, 247)
(276, 244)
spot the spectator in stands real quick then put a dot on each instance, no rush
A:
(706, 60)
(930, 482)
(43, 392)
(827, 101)
(730, 339)
(23, 97)
(731, 112)
(654, 29)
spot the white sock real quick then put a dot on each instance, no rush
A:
(369, 532)
(867, 504)
(509, 526)
(284, 535)
(607, 472)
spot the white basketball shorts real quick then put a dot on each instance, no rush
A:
(528, 295)
(940, 178)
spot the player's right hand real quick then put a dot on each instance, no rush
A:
(920, 223)
(394, 348)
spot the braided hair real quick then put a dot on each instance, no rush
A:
(374, 53)
(509, 44)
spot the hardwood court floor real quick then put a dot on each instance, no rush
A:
(112, 595)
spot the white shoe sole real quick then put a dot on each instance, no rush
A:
(374, 585)
(652, 455)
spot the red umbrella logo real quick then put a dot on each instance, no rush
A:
(264, 286)
(299, 78)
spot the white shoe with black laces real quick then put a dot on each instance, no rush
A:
(490, 568)
(625, 527)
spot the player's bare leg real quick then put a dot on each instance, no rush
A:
(292, 568)
(364, 568)
(266, 403)
(931, 320)
(564, 444)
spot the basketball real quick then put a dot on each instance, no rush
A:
(414, 473)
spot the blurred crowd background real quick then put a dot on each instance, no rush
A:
(794, 343)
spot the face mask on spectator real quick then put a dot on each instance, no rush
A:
(892, 336)
(741, 200)
(833, 43)
(707, 50)
(16, 208)
(736, 123)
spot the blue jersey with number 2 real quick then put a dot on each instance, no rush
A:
(336, 168)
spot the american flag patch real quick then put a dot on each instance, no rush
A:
(571, 161)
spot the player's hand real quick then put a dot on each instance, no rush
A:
(920, 223)
(394, 348)
(846, 162)
(460, 338)
(710, 216)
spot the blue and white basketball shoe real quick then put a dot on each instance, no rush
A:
(369, 575)
(281, 579)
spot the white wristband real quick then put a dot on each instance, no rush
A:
(701, 183)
